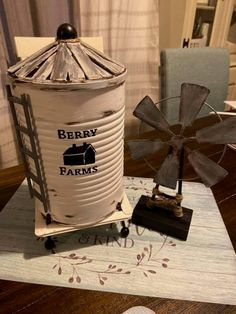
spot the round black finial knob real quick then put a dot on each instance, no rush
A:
(66, 31)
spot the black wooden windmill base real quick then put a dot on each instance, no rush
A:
(162, 220)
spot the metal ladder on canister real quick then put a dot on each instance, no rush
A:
(24, 101)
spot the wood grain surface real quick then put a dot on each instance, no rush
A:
(30, 298)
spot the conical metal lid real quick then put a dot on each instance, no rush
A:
(68, 62)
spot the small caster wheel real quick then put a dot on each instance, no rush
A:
(49, 244)
(124, 232)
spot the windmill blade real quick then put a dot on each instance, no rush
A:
(221, 133)
(192, 99)
(168, 174)
(150, 114)
(209, 171)
(142, 148)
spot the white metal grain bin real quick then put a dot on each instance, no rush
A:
(77, 105)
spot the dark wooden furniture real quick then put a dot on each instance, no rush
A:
(31, 298)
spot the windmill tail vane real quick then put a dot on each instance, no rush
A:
(192, 98)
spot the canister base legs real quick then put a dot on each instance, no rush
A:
(48, 219)
(49, 244)
(123, 218)
(124, 232)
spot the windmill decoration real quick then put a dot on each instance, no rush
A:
(163, 212)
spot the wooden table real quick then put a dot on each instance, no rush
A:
(31, 298)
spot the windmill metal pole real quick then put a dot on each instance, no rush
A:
(181, 168)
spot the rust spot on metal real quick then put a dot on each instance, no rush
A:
(108, 113)
(72, 123)
(118, 206)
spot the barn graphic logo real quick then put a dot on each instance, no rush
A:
(79, 155)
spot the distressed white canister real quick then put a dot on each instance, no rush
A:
(76, 98)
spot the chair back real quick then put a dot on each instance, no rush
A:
(26, 46)
(204, 66)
